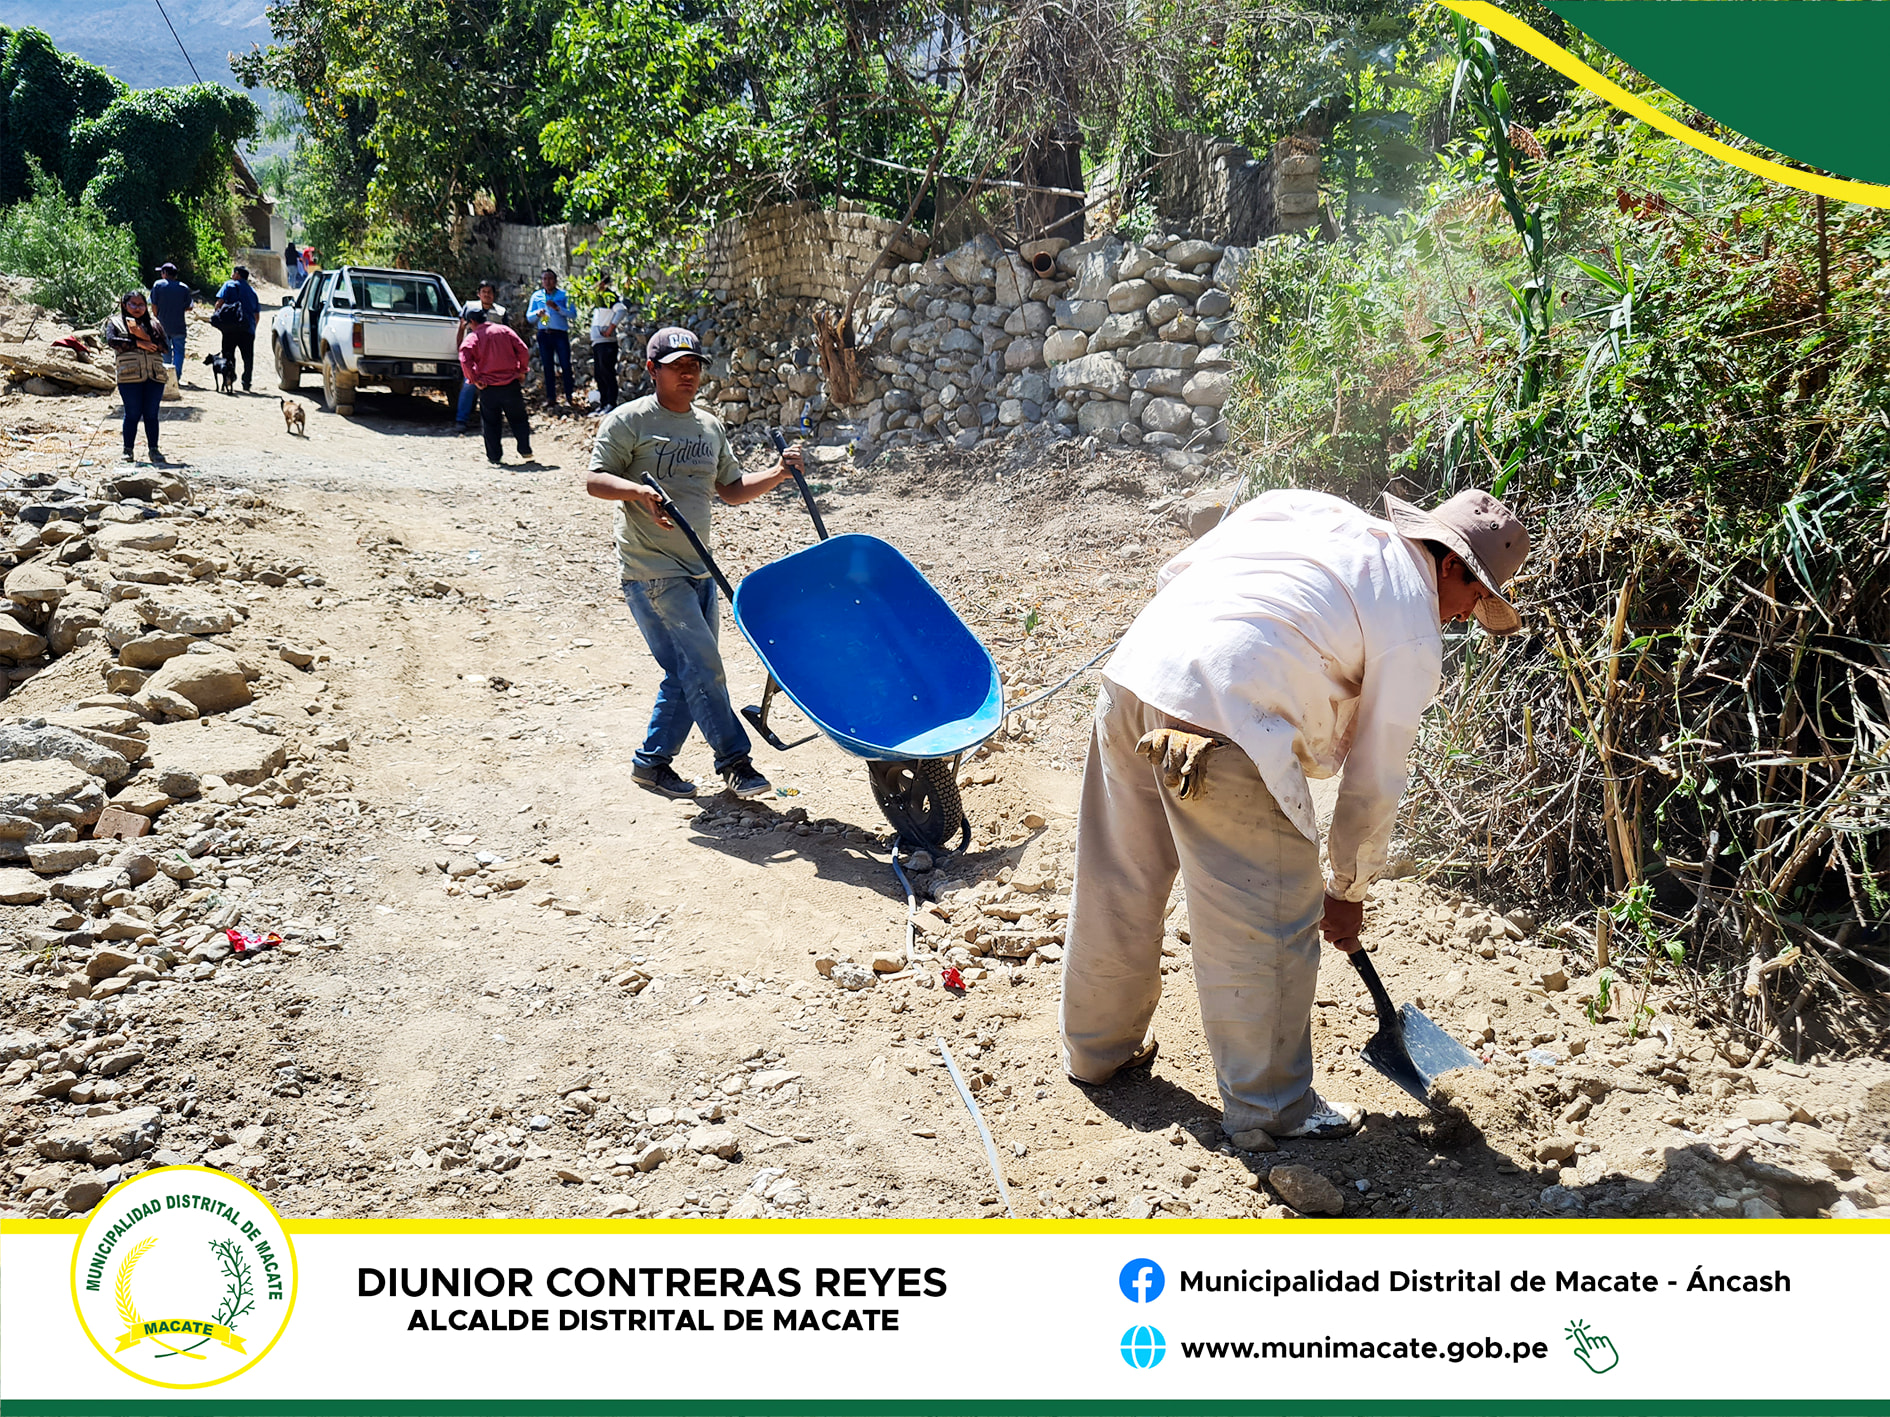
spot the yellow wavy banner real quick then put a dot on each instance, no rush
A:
(162, 1331)
(1524, 37)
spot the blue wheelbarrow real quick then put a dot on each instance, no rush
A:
(863, 645)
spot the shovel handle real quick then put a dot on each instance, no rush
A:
(682, 523)
(1381, 999)
(807, 496)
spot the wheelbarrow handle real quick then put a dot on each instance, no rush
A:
(670, 511)
(1381, 998)
(807, 496)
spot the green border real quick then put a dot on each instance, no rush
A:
(948, 1407)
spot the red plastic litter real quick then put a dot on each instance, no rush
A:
(242, 943)
(953, 979)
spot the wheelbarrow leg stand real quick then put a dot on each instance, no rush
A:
(757, 716)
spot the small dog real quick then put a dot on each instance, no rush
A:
(225, 371)
(294, 417)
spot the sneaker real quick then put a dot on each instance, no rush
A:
(743, 781)
(524, 452)
(127, 456)
(664, 779)
(1326, 1121)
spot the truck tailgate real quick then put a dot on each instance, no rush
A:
(409, 337)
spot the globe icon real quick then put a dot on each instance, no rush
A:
(1143, 1347)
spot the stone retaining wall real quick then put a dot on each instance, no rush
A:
(792, 250)
(1119, 342)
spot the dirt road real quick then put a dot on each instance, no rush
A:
(515, 984)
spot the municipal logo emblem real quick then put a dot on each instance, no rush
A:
(183, 1277)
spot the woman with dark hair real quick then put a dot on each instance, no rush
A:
(137, 338)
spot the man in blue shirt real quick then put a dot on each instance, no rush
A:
(170, 298)
(549, 316)
(239, 332)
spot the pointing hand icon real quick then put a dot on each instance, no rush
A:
(1597, 1354)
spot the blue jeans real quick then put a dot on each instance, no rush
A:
(677, 615)
(468, 400)
(177, 355)
(141, 406)
(555, 345)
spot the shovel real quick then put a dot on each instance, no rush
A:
(1408, 1048)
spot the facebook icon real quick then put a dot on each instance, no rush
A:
(1141, 1281)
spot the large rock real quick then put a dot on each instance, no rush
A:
(76, 614)
(134, 536)
(18, 642)
(1167, 416)
(1023, 354)
(38, 741)
(35, 584)
(152, 650)
(238, 755)
(20, 887)
(1084, 315)
(1060, 345)
(1192, 255)
(1098, 271)
(1136, 262)
(215, 681)
(971, 263)
(1099, 373)
(144, 485)
(103, 1141)
(1129, 295)
(1210, 388)
(1179, 282)
(1232, 265)
(1100, 414)
(1012, 278)
(1305, 1190)
(1161, 354)
(203, 617)
(38, 796)
(1119, 331)
(121, 623)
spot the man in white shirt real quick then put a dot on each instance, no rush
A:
(1299, 637)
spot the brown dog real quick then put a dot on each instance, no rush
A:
(294, 417)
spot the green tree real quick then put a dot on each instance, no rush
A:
(44, 94)
(156, 158)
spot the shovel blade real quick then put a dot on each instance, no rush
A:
(1413, 1052)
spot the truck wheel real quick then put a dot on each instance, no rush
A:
(288, 372)
(337, 387)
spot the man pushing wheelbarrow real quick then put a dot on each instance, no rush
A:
(1299, 637)
(667, 582)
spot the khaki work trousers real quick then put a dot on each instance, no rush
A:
(1255, 899)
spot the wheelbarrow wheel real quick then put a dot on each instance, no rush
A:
(921, 801)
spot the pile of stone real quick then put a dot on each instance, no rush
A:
(1119, 342)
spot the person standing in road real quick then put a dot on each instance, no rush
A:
(138, 341)
(170, 298)
(239, 329)
(489, 308)
(549, 315)
(494, 360)
(292, 266)
(666, 584)
(608, 317)
(1300, 637)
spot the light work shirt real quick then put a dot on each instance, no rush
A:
(611, 317)
(1305, 631)
(549, 312)
(690, 466)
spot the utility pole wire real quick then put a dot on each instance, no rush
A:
(180, 43)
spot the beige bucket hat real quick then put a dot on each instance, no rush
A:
(1488, 536)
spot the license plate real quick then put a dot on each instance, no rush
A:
(422, 366)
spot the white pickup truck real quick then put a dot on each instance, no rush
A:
(363, 325)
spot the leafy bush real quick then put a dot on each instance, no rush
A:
(1693, 730)
(80, 263)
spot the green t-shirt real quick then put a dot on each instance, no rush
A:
(690, 466)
